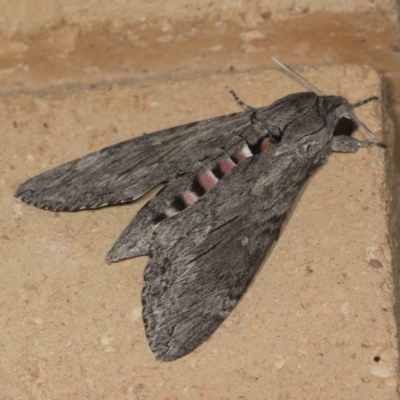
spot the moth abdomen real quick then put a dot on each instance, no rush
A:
(181, 193)
(262, 145)
(197, 188)
(175, 197)
(242, 154)
(179, 203)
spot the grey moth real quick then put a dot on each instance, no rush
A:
(230, 183)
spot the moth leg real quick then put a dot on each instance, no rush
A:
(348, 144)
(241, 103)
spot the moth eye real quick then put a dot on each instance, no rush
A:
(345, 126)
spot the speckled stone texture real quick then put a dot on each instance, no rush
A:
(31, 16)
(317, 323)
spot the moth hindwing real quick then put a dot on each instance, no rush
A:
(231, 183)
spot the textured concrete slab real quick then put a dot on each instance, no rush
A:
(32, 16)
(316, 323)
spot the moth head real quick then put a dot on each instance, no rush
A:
(332, 109)
(344, 121)
(339, 115)
(348, 123)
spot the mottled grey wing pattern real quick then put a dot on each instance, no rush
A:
(127, 170)
(124, 172)
(204, 258)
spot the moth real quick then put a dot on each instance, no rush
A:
(230, 183)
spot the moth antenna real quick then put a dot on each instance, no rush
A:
(362, 102)
(321, 93)
(299, 77)
(241, 103)
(365, 127)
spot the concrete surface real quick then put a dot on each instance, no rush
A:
(30, 16)
(58, 43)
(235, 38)
(317, 323)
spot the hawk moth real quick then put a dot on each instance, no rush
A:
(230, 183)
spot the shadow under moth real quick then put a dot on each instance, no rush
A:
(231, 181)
